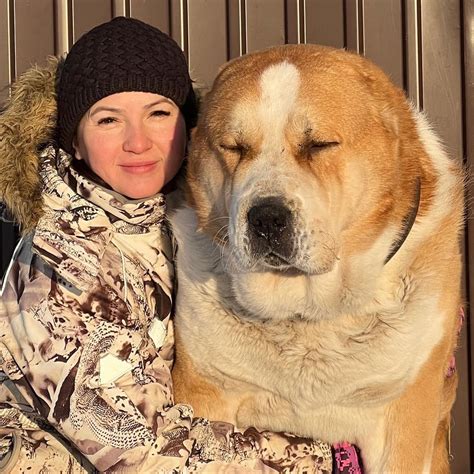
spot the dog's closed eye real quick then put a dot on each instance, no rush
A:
(310, 148)
(318, 145)
(237, 148)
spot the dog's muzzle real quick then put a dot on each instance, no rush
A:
(270, 231)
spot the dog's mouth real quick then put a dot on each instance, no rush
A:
(272, 237)
(275, 261)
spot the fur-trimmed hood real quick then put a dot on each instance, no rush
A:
(26, 124)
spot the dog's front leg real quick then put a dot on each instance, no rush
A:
(208, 399)
(413, 425)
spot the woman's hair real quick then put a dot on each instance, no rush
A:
(121, 55)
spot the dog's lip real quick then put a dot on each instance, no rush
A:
(281, 265)
(283, 269)
(275, 261)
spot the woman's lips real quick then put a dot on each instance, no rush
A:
(139, 168)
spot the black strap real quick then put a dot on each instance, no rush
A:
(407, 222)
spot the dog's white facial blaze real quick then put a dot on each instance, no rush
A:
(279, 87)
(274, 173)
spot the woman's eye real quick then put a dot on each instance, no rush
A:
(161, 113)
(106, 120)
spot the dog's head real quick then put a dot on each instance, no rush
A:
(305, 160)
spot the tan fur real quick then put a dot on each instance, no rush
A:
(210, 399)
(351, 349)
(27, 122)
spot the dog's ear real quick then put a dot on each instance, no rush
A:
(390, 120)
(225, 65)
(386, 97)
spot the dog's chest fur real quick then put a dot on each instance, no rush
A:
(339, 373)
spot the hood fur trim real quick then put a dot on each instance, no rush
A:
(27, 122)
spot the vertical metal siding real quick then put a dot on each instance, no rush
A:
(441, 77)
(5, 66)
(442, 82)
(324, 20)
(154, 12)
(265, 23)
(207, 39)
(467, 370)
(236, 32)
(30, 47)
(413, 52)
(88, 13)
(426, 46)
(292, 17)
(383, 36)
(178, 23)
(354, 25)
(468, 129)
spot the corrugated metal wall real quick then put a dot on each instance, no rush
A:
(426, 46)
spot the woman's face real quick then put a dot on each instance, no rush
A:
(134, 141)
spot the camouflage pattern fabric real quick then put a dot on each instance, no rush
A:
(86, 348)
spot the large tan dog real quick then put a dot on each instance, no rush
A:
(319, 263)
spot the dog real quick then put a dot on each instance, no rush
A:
(319, 263)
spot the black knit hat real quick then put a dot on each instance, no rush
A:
(121, 55)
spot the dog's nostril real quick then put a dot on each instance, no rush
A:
(269, 218)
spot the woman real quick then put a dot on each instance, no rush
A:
(86, 342)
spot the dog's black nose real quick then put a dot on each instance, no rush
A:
(270, 228)
(269, 219)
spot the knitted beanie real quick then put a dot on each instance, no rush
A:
(121, 55)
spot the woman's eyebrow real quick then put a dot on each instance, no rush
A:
(105, 109)
(158, 102)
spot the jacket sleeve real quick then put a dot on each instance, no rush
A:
(107, 392)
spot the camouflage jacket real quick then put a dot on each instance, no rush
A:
(86, 340)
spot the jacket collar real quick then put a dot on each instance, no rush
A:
(80, 218)
(128, 215)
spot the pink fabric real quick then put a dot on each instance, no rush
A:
(452, 367)
(452, 363)
(346, 457)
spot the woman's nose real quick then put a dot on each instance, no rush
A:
(136, 139)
